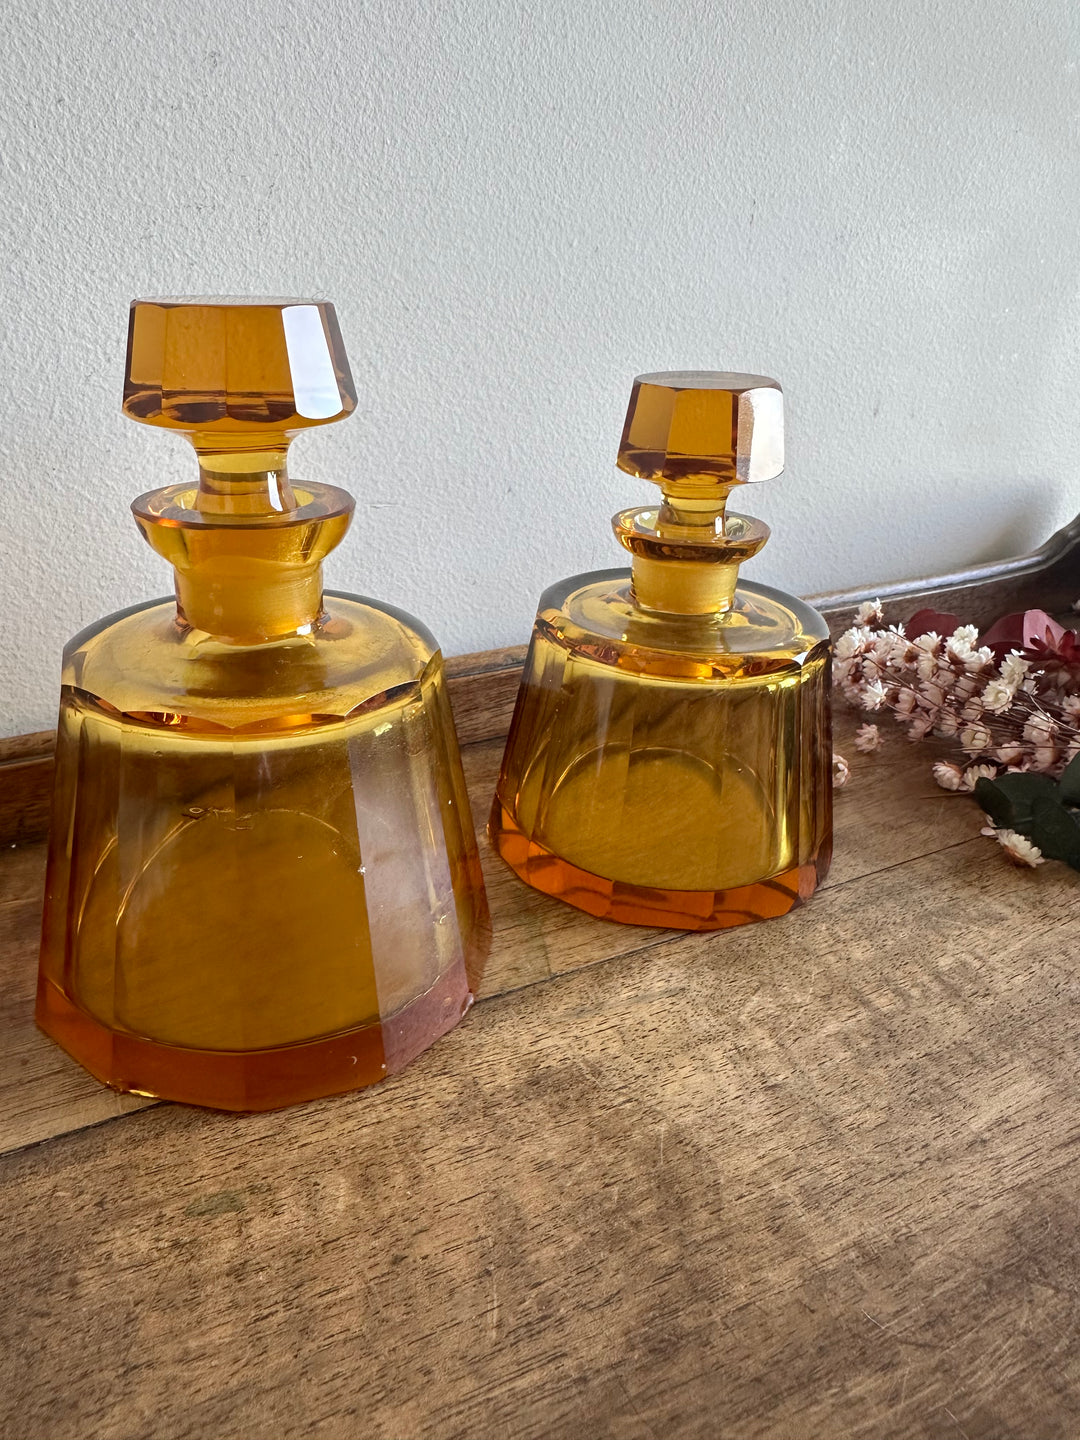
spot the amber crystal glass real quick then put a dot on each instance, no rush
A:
(669, 761)
(263, 882)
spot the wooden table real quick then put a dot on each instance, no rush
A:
(812, 1178)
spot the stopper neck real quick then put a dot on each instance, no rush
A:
(687, 553)
(244, 482)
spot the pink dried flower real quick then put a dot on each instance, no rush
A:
(948, 774)
(974, 773)
(869, 612)
(867, 738)
(974, 739)
(841, 771)
(1019, 848)
(1012, 717)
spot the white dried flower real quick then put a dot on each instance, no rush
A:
(906, 703)
(1013, 668)
(931, 695)
(974, 773)
(965, 634)
(1071, 705)
(869, 612)
(889, 648)
(841, 771)
(997, 696)
(874, 695)
(1040, 729)
(1009, 753)
(867, 739)
(921, 726)
(1044, 757)
(947, 724)
(846, 646)
(957, 650)
(948, 775)
(928, 647)
(974, 739)
(1019, 848)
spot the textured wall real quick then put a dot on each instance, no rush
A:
(517, 204)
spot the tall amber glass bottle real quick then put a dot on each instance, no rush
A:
(669, 761)
(263, 882)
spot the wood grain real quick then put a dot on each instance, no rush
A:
(26, 771)
(815, 1177)
(810, 1178)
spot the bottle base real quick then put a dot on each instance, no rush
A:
(630, 904)
(257, 1079)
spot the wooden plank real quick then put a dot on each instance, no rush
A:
(25, 796)
(483, 689)
(890, 812)
(816, 1178)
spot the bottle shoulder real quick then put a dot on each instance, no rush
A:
(764, 631)
(144, 660)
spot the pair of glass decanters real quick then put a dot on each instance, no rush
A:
(263, 879)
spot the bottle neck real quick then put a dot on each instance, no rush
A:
(247, 550)
(683, 588)
(246, 602)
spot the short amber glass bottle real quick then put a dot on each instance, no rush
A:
(263, 882)
(669, 761)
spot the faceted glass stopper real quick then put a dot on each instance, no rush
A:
(236, 374)
(695, 432)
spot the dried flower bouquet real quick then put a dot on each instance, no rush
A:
(1009, 700)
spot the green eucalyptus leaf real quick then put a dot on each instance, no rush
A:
(1056, 832)
(1010, 799)
(1069, 784)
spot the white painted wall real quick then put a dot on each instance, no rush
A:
(518, 204)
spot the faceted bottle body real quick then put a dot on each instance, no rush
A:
(668, 769)
(263, 882)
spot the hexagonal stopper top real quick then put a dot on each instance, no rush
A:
(699, 432)
(236, 375)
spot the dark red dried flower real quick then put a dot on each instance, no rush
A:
(1053, 651)
(923, 621)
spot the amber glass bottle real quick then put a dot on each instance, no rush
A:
(669, 761)
(263, 882)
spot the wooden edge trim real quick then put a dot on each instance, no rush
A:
(483, 686)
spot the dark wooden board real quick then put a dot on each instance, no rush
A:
(810, 1178)
(815, 1177)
